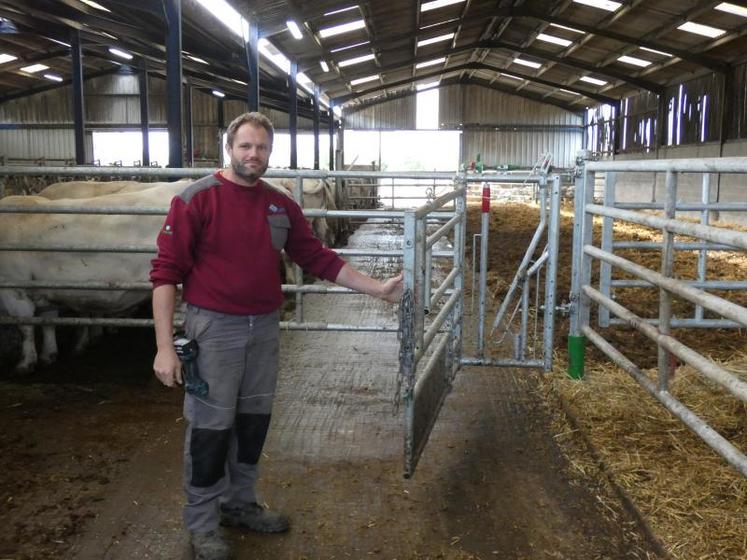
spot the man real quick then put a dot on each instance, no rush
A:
(222, 240)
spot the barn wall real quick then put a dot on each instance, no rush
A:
(397, 114)
(508, 129)
(645, 187)
(45, 120)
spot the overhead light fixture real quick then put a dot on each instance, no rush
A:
(430, 62)
(356, 60)
(435, 4)
(348, 47)
(218, 93)
(95, 5)
(337, 110)
(634, 61)
(324, 65)
(553, 39)
(120, 53)
(700, 29)
(428, 85)
(732, 9)
(364, 80)
(341, 10)
(197, 59)
(53, 77)
(529, 63)
(7, 58)
(342, 28)
(294, 29)
(34, 68)
(511, 76)
(662, 53)
(64, 44)
(567, 28)
(448, 21)
(436, 39)
(594, 81)
(608, 5)
(569, 91)
(239, 82)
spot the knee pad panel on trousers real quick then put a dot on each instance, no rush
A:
(208, 450)
(251, 431)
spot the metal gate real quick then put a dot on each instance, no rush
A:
(431, 351)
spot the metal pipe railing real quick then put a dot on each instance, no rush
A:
(658, 329)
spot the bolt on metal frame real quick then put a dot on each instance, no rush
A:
(583, 294)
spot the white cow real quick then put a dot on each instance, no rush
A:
(71, 230)
(90, 189)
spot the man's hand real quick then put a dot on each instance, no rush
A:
(168, 367)
(391, 290)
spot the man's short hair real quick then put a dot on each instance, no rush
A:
(257, 120)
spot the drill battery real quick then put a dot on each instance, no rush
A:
(187, 350)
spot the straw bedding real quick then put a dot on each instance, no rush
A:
(694, 502)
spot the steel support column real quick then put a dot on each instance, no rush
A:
(174, 80)
(331, 137)
(188, 136)
(79, 114)
(316, 127)
(144, 112)
(252, 64)
(293, 113)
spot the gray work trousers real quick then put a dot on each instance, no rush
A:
(238, 357)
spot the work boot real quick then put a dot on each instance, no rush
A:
(255, 517)
(211, 545)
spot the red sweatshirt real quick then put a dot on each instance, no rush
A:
(222, 241)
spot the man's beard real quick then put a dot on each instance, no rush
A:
(242, 171)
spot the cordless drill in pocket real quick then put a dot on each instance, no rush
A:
(186, 349)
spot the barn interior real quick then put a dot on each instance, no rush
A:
(573, 114)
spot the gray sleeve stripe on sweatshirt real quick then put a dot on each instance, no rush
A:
(199, 185)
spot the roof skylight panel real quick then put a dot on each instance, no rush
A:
(437, 39)
(430, 62)
(553, 39)
(34, 68)
(342, 28)
(435, 4)
(701, 29)
(732, 9)
(595, 81)
(356, 60)
(529, 63)
(607, 5)
(633, 61)
(364, 80)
